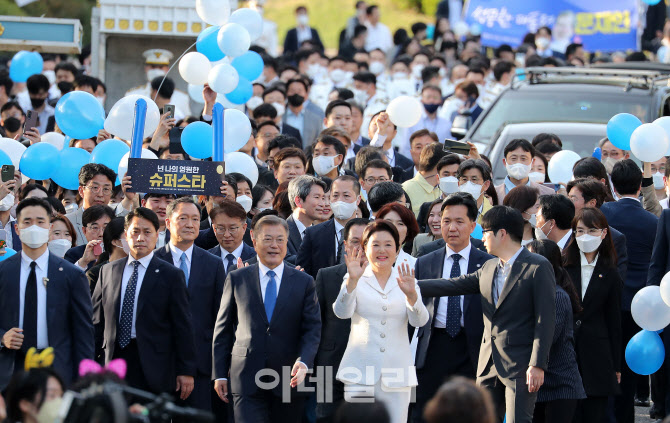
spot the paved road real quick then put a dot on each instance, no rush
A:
(642, 415)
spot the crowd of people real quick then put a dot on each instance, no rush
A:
(368, 274)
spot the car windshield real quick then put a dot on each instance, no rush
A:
(520, 106)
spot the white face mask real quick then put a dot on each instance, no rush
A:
(449, 184)
(539, 234)
(442, 72)
(51, 76)
(361, 96)
(72, 207)
(59, 247)
(280, 109)
(254, 102)
(154, 73)
(416, 71)
(399, 76)
(342, 210)
(303, 20)
(658, 180)
(377, 68)
(542, 43)
(533, 220)
(262, 209)
(323, 164)
(245, 201)
(125, 246)
(537, 177)
(7, 202)
(34, 236)
(337, 75)
(609, 163)
(525, 242)
(471, 188)
(313, 70)
(458, 103)
(349, 75)
(518, 171)
(588, 243)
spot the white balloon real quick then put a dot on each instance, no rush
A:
(649, 142)
(649, 310)
(665, 288)
(249, 19)
(405, 111)
(664, 121)
(223, 78)
(121, 118)
(55, 139)
(195, 92)
(13, 149)
(214, 12)
(233, 40)
(237, 162)
(194, 68)
(236, 130)
(461, 28)
(123, 164)
(560, 166)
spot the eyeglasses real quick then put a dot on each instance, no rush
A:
(590, 231)
(222, 230)
(464, 179)
(269, 241)
(97, 188)
(96, 228)
(430, 177)
(487, 230)
(372, 181)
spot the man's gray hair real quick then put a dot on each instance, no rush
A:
(302, 186)
(269, 220)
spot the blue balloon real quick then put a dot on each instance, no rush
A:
(652, 2)
(207, 44)
(80, 115)
(8, 253)
(40, 161)
(478, 233)
(249, 65)
(242, 93)
(25, 64)
(196, 139)
(597, 153)
(71, 161)
(645, 353)
(4, 159)
(520, 74)
(430, 32)
(620, 128)
(110, 153)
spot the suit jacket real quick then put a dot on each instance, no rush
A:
(519, 329)
(405, 163)
(598, 329)
(660, 257)
(294, 240)
(163, 325)
(431, 266)
(619, 241)
(312, 124)
(287, 129)
(439, 243)
(317, 250)
(245, 342)
(69, 313)
(205, 287)
(334, 331)
(639, 226)
(247, 253)
(291, 40)
(75, 253)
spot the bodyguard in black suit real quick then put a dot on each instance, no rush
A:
(204, 275)
(449, 343)
(269, 319)
(45, 304)
(292, 42)
(141, 313)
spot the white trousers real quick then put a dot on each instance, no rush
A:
(396, 400)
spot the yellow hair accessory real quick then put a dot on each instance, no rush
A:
(35, 360)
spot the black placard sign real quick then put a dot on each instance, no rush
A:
(179, 177)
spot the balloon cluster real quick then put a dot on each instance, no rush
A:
(648, 142)
(651, 311)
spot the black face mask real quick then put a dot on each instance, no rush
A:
(12, 124)
(296, 100)
(37, 102)
(431, 108)
(65, 87)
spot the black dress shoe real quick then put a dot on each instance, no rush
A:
(642, 402)
(655, 413)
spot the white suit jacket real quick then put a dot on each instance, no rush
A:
(378, 344)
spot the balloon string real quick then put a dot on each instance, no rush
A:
(173, 65)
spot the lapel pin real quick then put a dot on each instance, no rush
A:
(600, 276)
(60, 269)
(479, 265)
(45, 281)
(157, 270)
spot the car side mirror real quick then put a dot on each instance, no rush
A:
(460, 126)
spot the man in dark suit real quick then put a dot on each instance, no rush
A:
(517, 295)
(382, 132)
(554, 219)
(449, 343)
(334, 331)
(204, 275)
(141, 313)
(639, 226)
(269, 319)
(94, 221)
(307, 196)
(303, 32)
(229, 223)
(32, 315)
(322, 244)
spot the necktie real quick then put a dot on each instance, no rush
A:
(127, 309)
(30, 310)
(340, 246)
(230, 260)
(270, 295)
(454, 304)
(184, 266)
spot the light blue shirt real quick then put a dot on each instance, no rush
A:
(502, 274)
(509, 185)
(441, 127)
(127, 273)
(296, 121)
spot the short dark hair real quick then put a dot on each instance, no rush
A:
(558, 208)
(97, 212)
(431, 156)
(287, 152)
(384, 193)
(572, 49)
(266, 123)
(589, 167)
(265, 110)
(231, 209)
(418, 27)
(241, 178)
(370, 9)
(37, 83)
(356, 221)
(502, 68)
(525, 145)
(462, 199)
(86, 81)
(282, 141)
(364, 156)
(141, 213)
(503, 48)
(626, 177)
(172, 205)
(91, 170)
(24, 191)
(33, 202)
(423, 133)
(166, 89)
(428, 73)
(333, 142)
(298, 80)
(274, 87)
(381, 226)
(112, 232)
(336, 103)
(365, 77)
(547, 147)
(7, 83)
(469, 88)
(544, 136)
(522, 197)
(460, 400)
(360, 29)
(12, 105)
(507, 218)
(67, 66)
(448, 160)
(590, 189)
(377, 164)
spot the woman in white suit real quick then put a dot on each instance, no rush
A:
(377, 362)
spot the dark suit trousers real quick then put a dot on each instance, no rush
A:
(266, 407)
(557, 411)
(591, 409)
(511, 399)
(625, 403)
(134, 373)
(446, 357)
